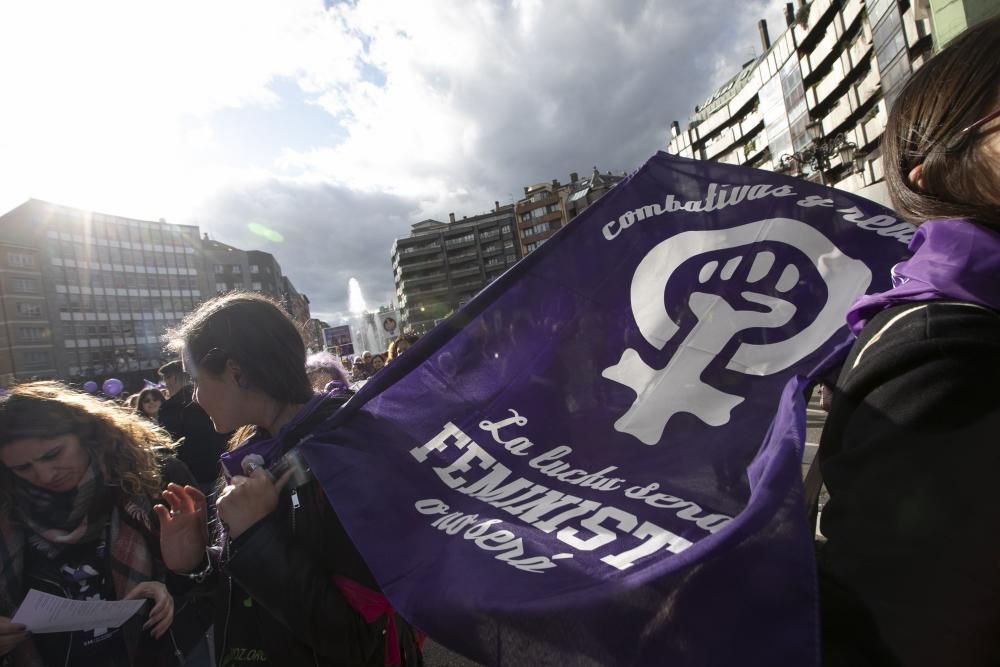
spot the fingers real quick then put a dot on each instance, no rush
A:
(139, 591)
(9, 628)
(161, 616)
(162, 513)
(280, 484)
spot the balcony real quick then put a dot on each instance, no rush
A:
(850, 12)
(409, 283)
(427, 291)
(459, 242)
(720, 143)
(489, 236)
(825, 48)
(404, 269)
(462, 257)
(420, 250)
(821, 91)
(471, 271)
(867, 87)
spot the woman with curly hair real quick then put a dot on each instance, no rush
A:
(77, 484)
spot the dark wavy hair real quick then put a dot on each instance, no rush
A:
(254, 332)
(953, 90)
(148, 391)
(128, 448)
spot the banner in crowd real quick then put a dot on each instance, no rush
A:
(587, 464)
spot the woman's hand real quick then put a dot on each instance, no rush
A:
(11, 634)
(183, 528)
(247, 500)
(162, 613)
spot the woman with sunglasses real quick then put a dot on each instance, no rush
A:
(295, 591)
(910, 570)
(149, 402)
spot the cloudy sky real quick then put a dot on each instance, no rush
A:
(339, 124)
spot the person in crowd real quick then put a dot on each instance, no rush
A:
(323, 368)
(378, 363)
(77, 484)
(297, 590)
(185, 420)
(909, 455)
(360, 370)
(400, 345)
(131, 402)
(149, 402)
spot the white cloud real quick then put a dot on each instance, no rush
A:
(444, 106)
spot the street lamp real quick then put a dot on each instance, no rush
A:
(818, 153)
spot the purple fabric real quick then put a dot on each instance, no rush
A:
(597, 459)
(952, 260)
(267, 447)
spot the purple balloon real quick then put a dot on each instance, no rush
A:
(113, 386)
(90, 386)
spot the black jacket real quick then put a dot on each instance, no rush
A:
(193, 605)
(200, 450)
(281, 589)
(910, 572)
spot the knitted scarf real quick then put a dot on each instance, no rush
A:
(50, 521)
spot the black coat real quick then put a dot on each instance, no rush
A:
(202, 446)
(281, 597)
(910, 572)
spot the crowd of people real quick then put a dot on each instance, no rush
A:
(367, 364)
(191, 498)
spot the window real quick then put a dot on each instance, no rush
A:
(24, 285)
(505, 229)
(254, 268)
(29, 309)
(32, 333)
(255, 286)
(237, 269)
(34, 359)
(20, 259)
(220, 287)
(219, 268)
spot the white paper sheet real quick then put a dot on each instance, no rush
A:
(41, 612)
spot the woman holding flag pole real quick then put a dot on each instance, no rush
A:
(910, 570)
(296, 590)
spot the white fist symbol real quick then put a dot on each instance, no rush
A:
(678, 387)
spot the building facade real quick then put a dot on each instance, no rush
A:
(87, 296)
(546, 207)
(26, 347)
(440, 266)
(833, 70)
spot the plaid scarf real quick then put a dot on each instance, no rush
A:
(51, 521)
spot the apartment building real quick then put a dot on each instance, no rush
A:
(832, 71)
(546, 207)
(440, 266)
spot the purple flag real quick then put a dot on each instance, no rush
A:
(588, 464)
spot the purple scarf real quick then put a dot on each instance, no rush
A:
(953, 260)
(269, 447)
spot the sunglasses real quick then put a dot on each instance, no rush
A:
(982, 121)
